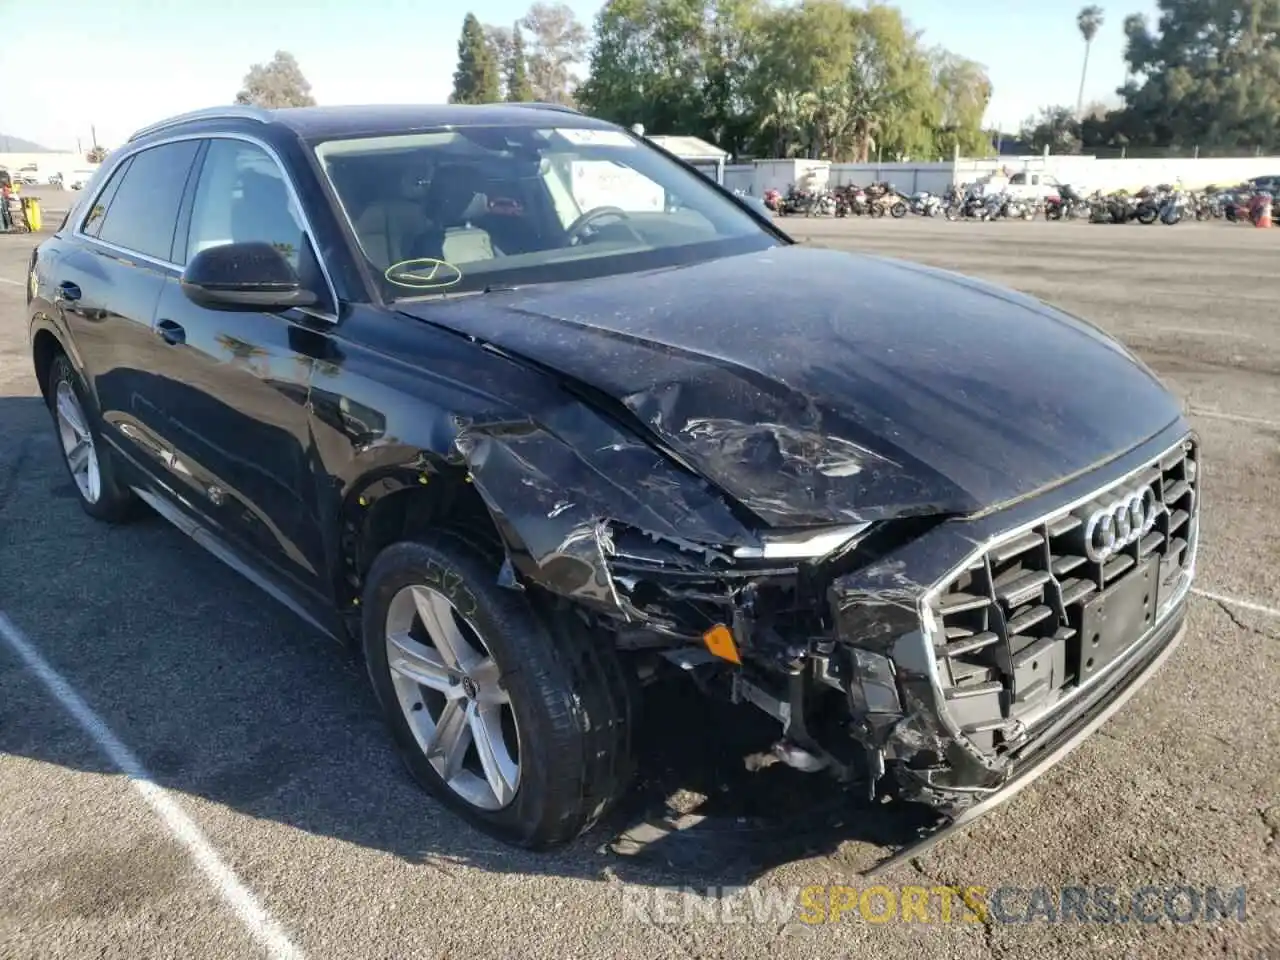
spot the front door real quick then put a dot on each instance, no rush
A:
(236, 414)
(108, 287)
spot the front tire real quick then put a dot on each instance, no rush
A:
(518, 720)
(87, 457)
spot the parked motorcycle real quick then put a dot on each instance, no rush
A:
(796, 201)
(823, 204)
(925, 204)
(1067, 205)
(883, 198)
(1175, 206)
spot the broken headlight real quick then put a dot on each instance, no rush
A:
(803, 544)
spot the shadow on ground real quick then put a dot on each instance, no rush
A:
(225, 695)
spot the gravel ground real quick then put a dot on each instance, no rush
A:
(267, 740)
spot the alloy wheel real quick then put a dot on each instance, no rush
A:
(77, 443)
(450, 690)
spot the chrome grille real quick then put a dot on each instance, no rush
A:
(1019, 629)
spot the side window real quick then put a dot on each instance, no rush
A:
(144, 211)
(242, 196)
(1018, 179)
(1035, 180)
(97, 213)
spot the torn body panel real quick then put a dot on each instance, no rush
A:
(815, 387)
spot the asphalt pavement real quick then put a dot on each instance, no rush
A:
(261, 811)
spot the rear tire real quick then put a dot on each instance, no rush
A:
(87, 458)
(570, 704)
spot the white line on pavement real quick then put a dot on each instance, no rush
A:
(1234, 417)
(16, 283)
(234, 893)
(1234, 602)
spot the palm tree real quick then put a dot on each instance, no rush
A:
(787, 114)
(1089, 20)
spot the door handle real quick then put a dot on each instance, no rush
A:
(171, 331)
(67, 291)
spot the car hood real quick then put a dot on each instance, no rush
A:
(817, 387)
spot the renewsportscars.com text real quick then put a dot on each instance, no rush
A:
(1178, 903)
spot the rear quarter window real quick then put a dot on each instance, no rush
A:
(143, 211)
(98, 208)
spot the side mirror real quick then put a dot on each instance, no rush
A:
(244, 276)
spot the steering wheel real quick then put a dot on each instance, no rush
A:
(575, 230)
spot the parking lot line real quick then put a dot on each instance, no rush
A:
(16, 283)
(1233, 417)
(1236, 602)
(260, 925)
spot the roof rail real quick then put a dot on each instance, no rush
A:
(235, 111)
(539, 105)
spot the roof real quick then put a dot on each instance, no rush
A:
(690, 148)
(373, 120)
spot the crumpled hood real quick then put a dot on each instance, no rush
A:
(815, 386)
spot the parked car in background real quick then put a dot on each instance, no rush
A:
(1267, 184)
(526, 460)
(30, 174)
(1025, 186)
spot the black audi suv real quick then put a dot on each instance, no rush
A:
(529, 411)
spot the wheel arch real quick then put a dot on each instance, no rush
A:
(45, 346)
(388, 505)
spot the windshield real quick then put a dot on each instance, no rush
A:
(466, 210)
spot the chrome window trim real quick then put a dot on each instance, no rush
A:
(929, 625)
(271, 152)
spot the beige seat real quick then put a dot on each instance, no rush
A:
(388, 228)
(454, 200)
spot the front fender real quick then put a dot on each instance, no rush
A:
(553, 472)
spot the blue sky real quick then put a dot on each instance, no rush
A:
(123, 64)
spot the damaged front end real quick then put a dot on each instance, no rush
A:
(932, 656)
(953, 655)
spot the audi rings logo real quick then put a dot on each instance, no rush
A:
(1109, 529)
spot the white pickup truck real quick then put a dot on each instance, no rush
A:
(1026, 185)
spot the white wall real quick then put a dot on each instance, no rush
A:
(48, 163)
(908, 178)
(1084, 173)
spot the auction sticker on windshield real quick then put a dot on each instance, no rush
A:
(595, 138)
(425, 273)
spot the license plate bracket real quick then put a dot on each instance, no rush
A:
(1117, 618)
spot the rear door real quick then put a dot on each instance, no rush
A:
(233, 385)
(109, 282)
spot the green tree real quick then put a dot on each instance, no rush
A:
(813, 78)
(892, 62)
(499, 40)
(1208, 75)
(963, 90)
(517, 74)
(278, 83)
(676, 66)
(1089, 22)
(476, 79)
(1057, 128)
(559, 43)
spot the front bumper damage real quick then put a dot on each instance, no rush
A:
(937, 658)
(872, 661)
